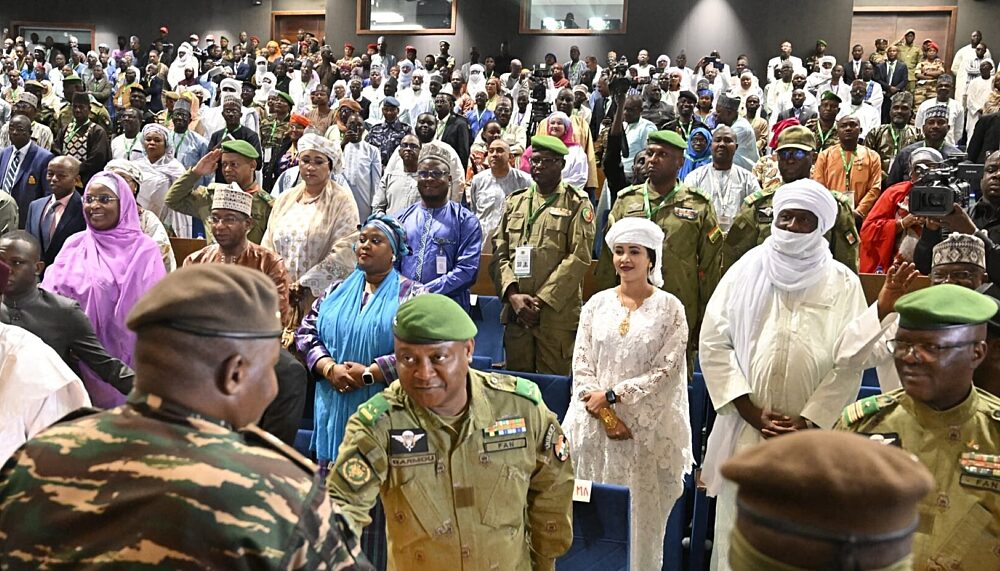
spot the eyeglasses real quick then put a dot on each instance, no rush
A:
(224, 220)
(954, 277)
(541, 161)
(409, 146)
(797, 154)
(103, 199)
(436, 175)
(923, 351)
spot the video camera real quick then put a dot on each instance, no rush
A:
(538, 83)
(940, 187)
(620, 81)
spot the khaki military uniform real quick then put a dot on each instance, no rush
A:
(489, 491)
(560, 240)
(98, 114)
(911, 56)
(753, 225)
(960, 520)
(691, 247)
(154, 485)
(185, 198)
(825, 139)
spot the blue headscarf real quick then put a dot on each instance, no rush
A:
(692, 159)
(359, 330)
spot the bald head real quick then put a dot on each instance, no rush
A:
(62, 175)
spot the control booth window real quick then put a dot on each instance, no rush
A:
(582, 17)
(406, 16)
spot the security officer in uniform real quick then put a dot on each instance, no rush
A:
(796, 152)
(98, 114)
(951, 426)
(179, 477)
(692, 237)
(472, 468)
(239, 164)
(541, 253)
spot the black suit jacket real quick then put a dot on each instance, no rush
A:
(30, 183)
(70, 223)
(458, 134)
(985, 138)
(807, 114)
(849, 74)
(898, 80)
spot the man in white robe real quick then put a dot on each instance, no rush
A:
(767, 341)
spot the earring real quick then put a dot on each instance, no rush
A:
(394, 258)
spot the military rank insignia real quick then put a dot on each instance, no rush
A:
(356, 472)
(506, 427)
(887, 438)
(980, 471)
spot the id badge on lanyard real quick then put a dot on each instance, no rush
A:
(522, 261)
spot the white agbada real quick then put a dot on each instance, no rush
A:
(769, 332)
(647, 368)
(36, 388)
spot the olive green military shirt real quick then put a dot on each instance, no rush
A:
(911, 56)
(825, 138)
(692, 243)
(492, 491)
(98, 114)
(753, 225)
(887, 142)
(560, 231)
(960, 520)
(186, 197)
(272, 132)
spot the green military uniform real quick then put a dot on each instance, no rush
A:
(186, 197)
(691, 246)
(960, 520)
(753, 225)
(489, 490)
(559, 230)
(46, 116)
(887, 141)
(272, 131)
(911, 56)
(98, 114)
(153, 485)
(826, 138)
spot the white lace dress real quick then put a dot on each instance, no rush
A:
(647, 369)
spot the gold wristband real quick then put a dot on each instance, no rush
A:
(609, 418)
(328, 368)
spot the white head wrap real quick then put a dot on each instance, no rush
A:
(266, 87)
(165, 133)
(807, 194)
(405, 73)
(476, 80)
(176, 72)
(638, 230)
(230, 84)
(125, 168)
(314, 142)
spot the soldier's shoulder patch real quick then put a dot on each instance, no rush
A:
(755, 196)
(698, 192)
(587, 213)
(264, 196)
(255, 435)
(371, 411)
(356, 472)
(867, 407)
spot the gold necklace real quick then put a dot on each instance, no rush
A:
(623, 327)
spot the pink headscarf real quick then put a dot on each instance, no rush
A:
(107, 271)
(567, 137)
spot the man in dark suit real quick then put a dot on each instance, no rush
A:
(892, 76)
(56, 320)
(232, 113)
(456, 131)
(22, 167)
(852, 67)
(52, 219)
(985, 138)
(600, 107)
(798, 110)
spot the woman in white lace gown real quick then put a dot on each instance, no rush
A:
(631, 340)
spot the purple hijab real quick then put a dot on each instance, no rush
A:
(107, 271)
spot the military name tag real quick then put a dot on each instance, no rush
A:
(765, 215)
(414, 460)
(501, 445)
(685, 213)
(971, 481)
(505, 427)
(407, 441)
(887, 438)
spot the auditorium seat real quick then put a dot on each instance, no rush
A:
(601, 531)
(302, 438)
(485, 313)
(555, 390)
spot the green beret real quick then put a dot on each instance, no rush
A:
(432, 318)
(286, 97)
(830, 96)
(942, 306)
(211, 300)
(72, 78)
(667, 137)
(242, 147)
(821, 43)
(549, 143)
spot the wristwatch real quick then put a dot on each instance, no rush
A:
(611, 397)
(367, 377)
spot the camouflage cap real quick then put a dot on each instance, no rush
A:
(211, 300)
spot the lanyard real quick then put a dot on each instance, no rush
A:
(824, 136)
(178, 144)
(895, 140)
(128, 153)
(274, 127)
(532, 213)
(645, 199)
(686, 131)
(847, 166)
(74, 131)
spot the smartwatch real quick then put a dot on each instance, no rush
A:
(367, 377)
(611, 397)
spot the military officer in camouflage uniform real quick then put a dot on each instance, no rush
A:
(951, 426)
(472, 468)
(796, 148)
(239, 163)
(541, 252)
(887, 140)
(692, 237)
(46, 115)
(179, 477)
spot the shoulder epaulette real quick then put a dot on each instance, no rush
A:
(256, 435)
(265, 196)
(371, 411)
(991, 404)
(628, 189)
(519, 191)
(841, 197)
(757, 195)
(697, 191)
(868, 407)
(516, 385)
(214, 186)
(579, 192)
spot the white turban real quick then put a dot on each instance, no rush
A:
(163, 132)
(638, 230)
(807, 194)
(230, 84)
(314, 142)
